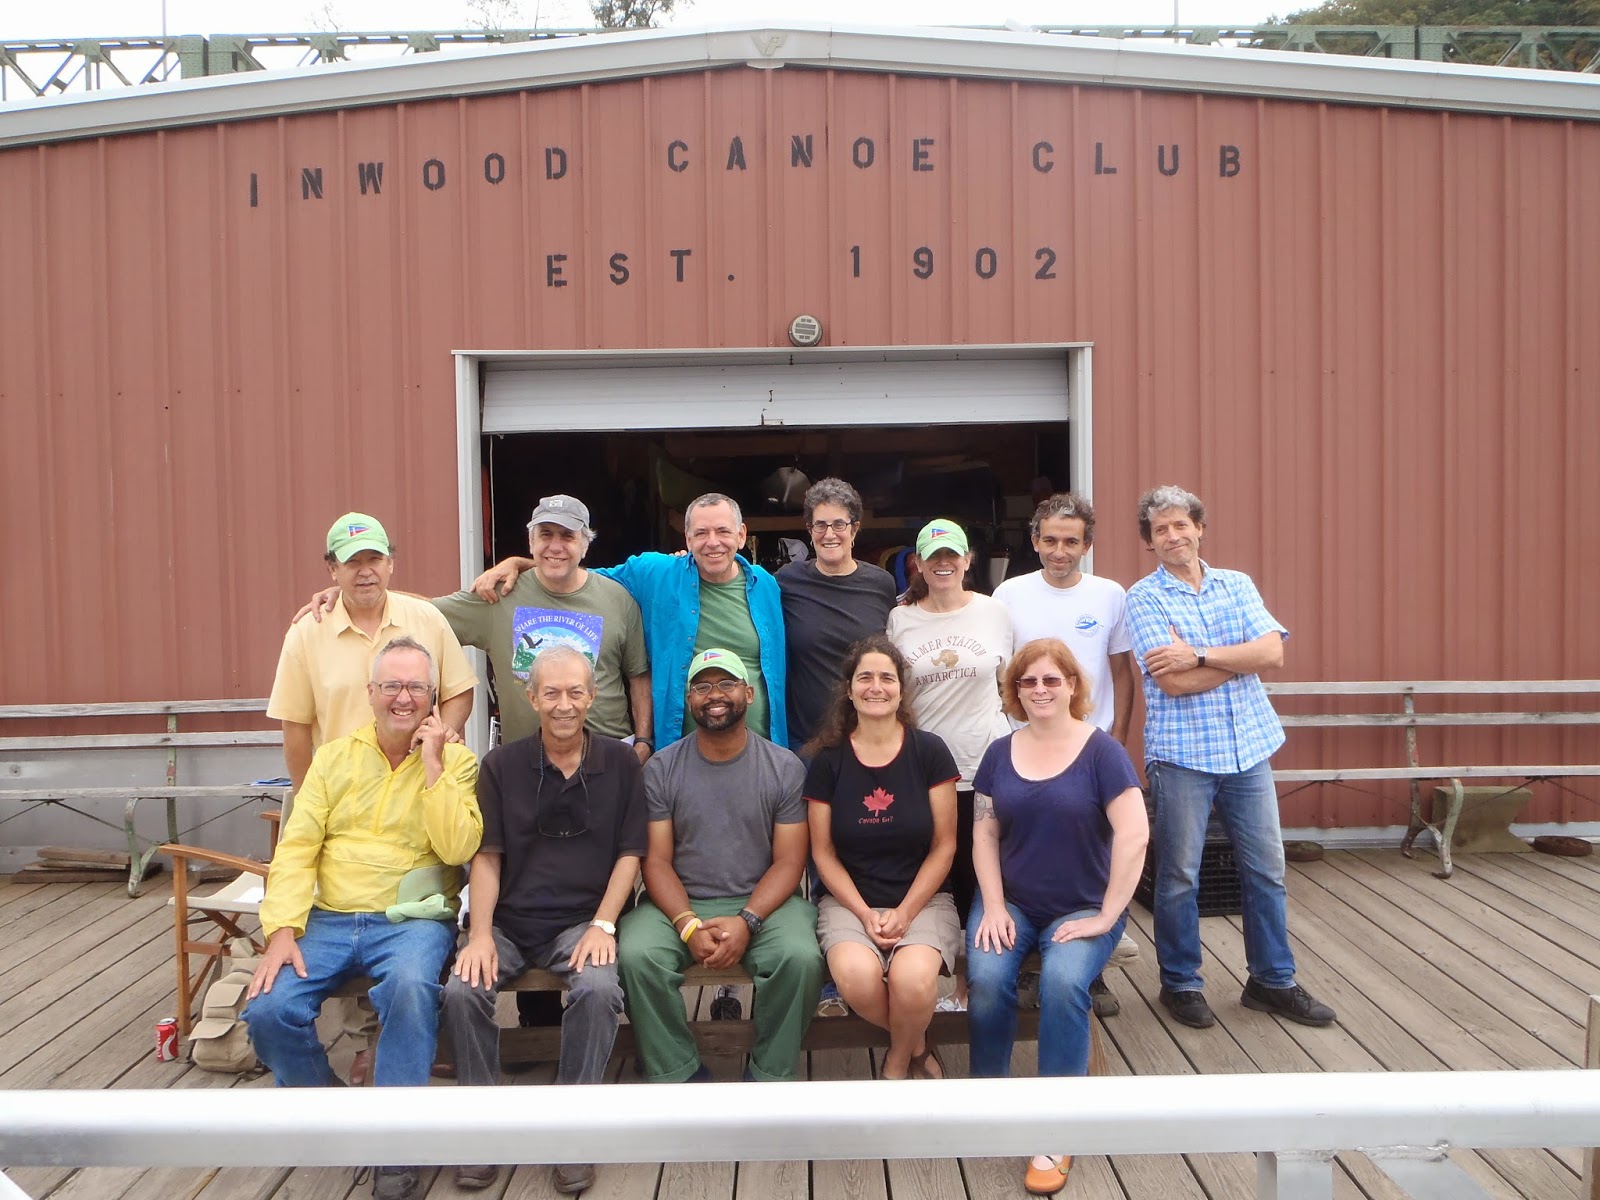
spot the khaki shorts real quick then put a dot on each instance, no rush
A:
(936, 925)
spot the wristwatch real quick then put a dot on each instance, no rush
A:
(752, 921)
(603, 926)
(1200, 658)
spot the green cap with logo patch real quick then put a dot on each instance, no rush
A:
(723, 660)
(940, 534)
(355, 532)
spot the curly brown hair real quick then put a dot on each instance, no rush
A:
(1056, 651)
(841, 719)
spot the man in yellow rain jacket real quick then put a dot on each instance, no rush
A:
(364, 882)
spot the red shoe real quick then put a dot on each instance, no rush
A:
(1050, 1181)
(361, 1068)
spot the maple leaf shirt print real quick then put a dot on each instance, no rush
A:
(877, 802)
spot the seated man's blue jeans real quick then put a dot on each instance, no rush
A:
(1247, 803)
(405, 961)
(1066, 969)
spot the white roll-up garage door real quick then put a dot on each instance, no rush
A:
(709, 390)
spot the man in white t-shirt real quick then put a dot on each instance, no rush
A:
(1087, 612)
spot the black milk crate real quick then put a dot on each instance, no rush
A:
(1219, 876)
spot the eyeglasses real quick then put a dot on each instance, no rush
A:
(1028, 682)
(837, 526)
(393, 687)
(728, 687)
(562, 818)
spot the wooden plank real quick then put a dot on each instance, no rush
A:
(136, 708)
(1508, 893)
(1436, 687)
(1568, 878)
(855, 1178)
(138, 741)
(1479, 969)
(148, 792)
(790, 1180)
(1420, 720)
(36, 949)
(1359, 774)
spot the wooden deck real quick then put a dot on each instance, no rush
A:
(1487, 972)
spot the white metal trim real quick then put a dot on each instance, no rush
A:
(469, 503)
(989, 54)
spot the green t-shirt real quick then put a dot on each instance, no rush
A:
(600, 620)
(726, 625)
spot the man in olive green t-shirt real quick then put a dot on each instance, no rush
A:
(559, 603)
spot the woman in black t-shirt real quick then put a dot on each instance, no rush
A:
(883, 835)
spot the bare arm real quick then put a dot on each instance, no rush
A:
(935, 868)
(642, 702)
(1175, 669)
(478, 964)
(791, 844)
(997, 931)
(455, 711)
(830, 870)
(668, 894)
(596, 945)
(1130, 833)
(499, 579)
(1121, 695)
(297, 751)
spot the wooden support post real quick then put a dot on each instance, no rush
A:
(1591, 1059)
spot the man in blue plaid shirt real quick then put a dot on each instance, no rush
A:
(1201, 637)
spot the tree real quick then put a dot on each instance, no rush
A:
(1447, 12)
(638, 14)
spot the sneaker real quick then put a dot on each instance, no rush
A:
(1028, 989)
(391, 1183)
(476, 1177)
(831, 1004)
(1189, 1008)
(572, 1178)
(726, 1006)
(1291, 1003)
(1105, 1000)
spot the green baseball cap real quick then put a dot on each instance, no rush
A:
(355, 532)
(940, 534)
(722, 660)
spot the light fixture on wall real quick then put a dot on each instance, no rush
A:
(805, 330)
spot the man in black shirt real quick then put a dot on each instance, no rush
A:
(564, 833)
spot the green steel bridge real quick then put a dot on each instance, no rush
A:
(34, 68)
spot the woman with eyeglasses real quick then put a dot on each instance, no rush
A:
(829, 601)
(1058, 843)
(882, 809)
(956, 642)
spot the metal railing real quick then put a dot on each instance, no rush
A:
(50, 66)
(1408, 1124)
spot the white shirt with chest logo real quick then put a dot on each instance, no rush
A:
(1090, 617)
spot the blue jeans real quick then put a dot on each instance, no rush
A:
(405, 960)
(1247, 802)
(1066, 969)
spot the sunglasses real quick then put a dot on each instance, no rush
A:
(1028, 682)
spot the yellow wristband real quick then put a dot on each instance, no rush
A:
(688, 912)
(688, 930)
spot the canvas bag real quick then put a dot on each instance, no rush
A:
(221, 1041)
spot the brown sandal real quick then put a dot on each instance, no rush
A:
(920, 1064)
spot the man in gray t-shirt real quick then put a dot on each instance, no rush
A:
(727, 847)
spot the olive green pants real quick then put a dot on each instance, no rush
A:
(783, 960)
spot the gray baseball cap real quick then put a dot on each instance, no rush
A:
(566, 511)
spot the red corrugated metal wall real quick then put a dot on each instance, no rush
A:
(1362, 335)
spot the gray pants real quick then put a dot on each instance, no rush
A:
(588, 1026)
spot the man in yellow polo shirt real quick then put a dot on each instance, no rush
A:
(366, 881)
(320, 692)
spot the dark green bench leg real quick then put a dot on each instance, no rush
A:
(1446, 835)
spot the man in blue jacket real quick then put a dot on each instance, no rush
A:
(709, 598)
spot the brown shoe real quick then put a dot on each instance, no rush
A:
(572, 1178)
(361, 1068)
(474, 1178)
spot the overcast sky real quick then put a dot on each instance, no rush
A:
(80, 18)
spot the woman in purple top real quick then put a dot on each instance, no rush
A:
(883, 834)
(1059, 835)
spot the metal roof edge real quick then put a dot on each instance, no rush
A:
(991, 54)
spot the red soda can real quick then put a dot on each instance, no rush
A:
(166, 1039)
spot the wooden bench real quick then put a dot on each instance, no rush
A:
(169, 789)
(1562, 698)
(825, 1033)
